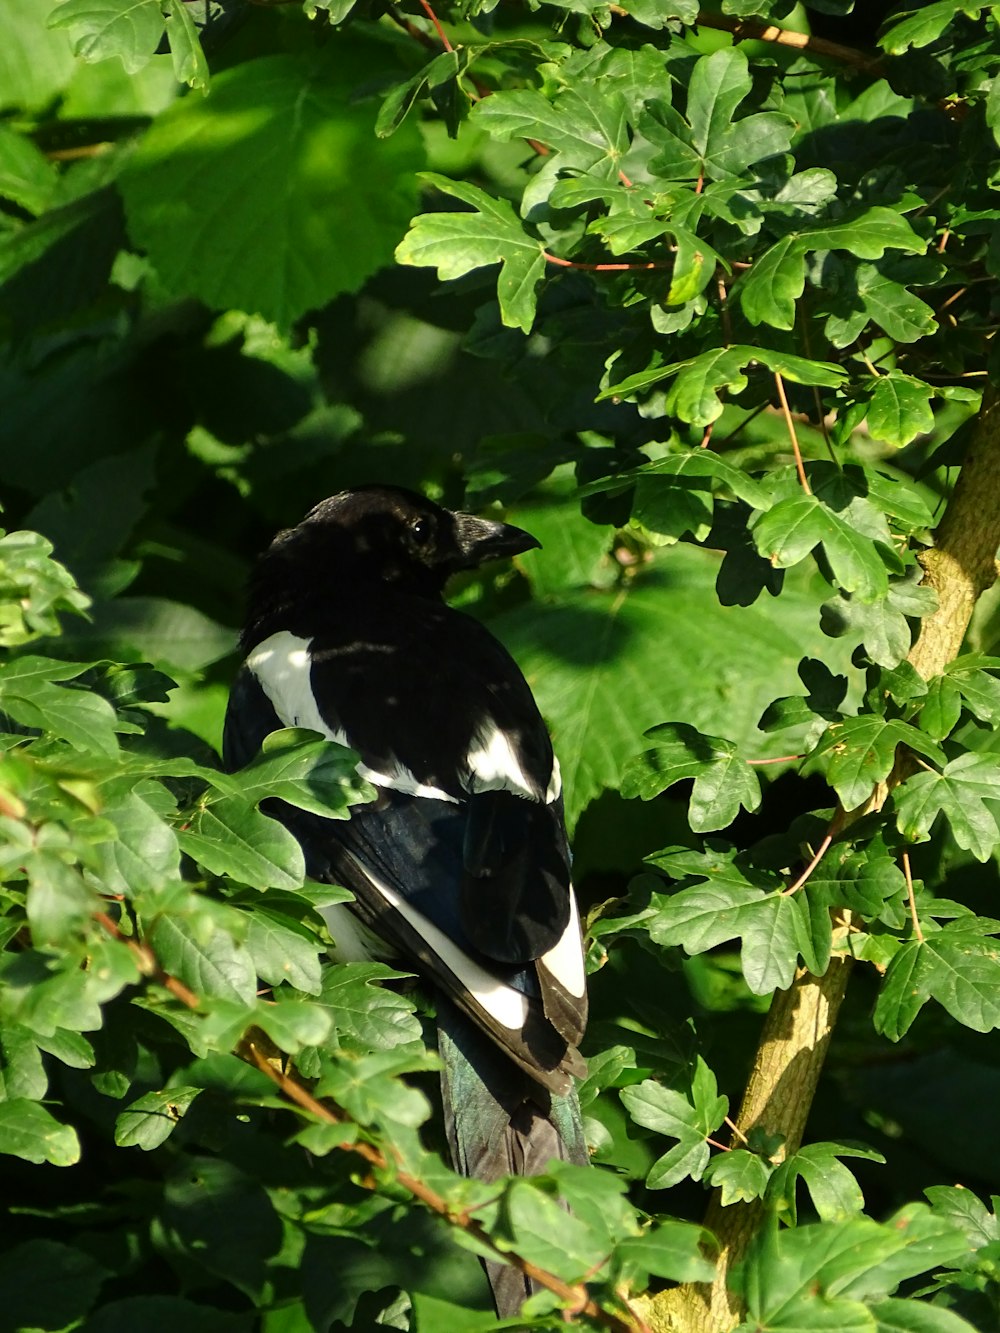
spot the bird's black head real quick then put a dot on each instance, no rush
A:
(377, 534)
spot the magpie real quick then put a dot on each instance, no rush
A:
(460, 867)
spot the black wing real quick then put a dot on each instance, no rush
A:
(424, 870)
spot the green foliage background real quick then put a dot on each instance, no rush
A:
(248, 257)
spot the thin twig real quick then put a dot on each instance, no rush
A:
(791, 432)
(737, 1131)
(425, 6)
(910, 895)
(603, 268)
(778, 759)
(821, 852)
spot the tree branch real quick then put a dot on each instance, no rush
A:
(754, 30)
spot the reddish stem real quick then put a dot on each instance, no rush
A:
(601, 268)
(425, 6)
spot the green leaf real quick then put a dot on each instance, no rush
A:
(207, 959)
(585, 125)
(369, 1091)
(867, 236)
(21, 1071)
(959, 966)
(900, 408)
(795, 526)
(689, 1121)
(368, 1016)
(913, 1316)
(882, 625)
(927, 25)
(980, 691)
(960, 791)
(100, 29)
(457, 243)
(292, 1023)
(667, 508)
(314, 775)
(835, 1193)
(27, 1130)
(150, 1120)
(669, 1249)
(723, 783)
(283, 950)
(27, 177)
(770, 290)
(170, 634)
(728, 145)
(740, 1175)
(695, 394)
(28, 692)
(47, 1284)
(230, 837)
(573, 652)
(327, 205)
(190, 65)
(858, 752)
(941, 708)
(144, 856)
(132, 1312)
(903, 316)
(773, 927)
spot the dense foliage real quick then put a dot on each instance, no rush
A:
(727, 370)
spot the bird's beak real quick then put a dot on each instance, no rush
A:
(480, 539)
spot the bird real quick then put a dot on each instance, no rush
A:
(460, 865)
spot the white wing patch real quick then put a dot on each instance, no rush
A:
(564, 961)
(282, 665)
(353, 941)
(492, 765)
(507, 1005)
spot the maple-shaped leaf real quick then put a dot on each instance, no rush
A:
(711, 139)
(960, 791)
(858, 752)
(456, 243)
(835, 1193)
(795, 526)
(958, 965)
(882, 624)
(689, 1119)
(695, 394)
(737, 901)
(970, 674)
(723, 782)
(741, 1175)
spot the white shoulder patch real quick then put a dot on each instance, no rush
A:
(564, 961)
(282, 665)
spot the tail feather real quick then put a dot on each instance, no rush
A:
(500, 1122)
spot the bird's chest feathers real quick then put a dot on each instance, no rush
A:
(427, 737)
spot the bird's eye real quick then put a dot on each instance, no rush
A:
(421, 530)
